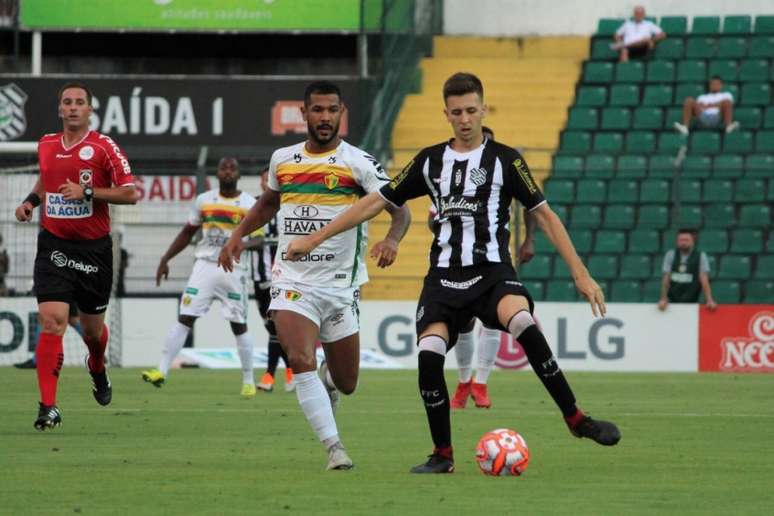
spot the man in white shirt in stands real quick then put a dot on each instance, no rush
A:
(637, 37)
(712, 109)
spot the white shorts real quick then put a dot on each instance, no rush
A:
(334, 310)
(208, 282)
(710, 117)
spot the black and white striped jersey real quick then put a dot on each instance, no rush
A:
(261, 259)
(472, 194)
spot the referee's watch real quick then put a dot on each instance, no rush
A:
(88, 193)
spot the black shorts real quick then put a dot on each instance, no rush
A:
(639, 52)
(454, 296)
(77, 272)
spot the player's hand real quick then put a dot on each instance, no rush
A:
(162, 272)
(71, 191)
(24, 212)
(527, 250)
(299, 247)
(593, 294)
(712, 305)
(386, 251)
(230, 254)
(662, 304)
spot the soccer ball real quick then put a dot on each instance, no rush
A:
(502, 452)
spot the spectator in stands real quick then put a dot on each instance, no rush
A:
(710, 110)
(685, 273)
(4, 266)
(636, 38)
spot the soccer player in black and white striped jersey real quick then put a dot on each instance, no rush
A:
(472, 181)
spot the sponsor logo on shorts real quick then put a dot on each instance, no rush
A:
(292, 295)
(191, 290)
(337, 319)
(477, 176)
(305, 211)
(234, 296)
(340, 276)
(515, 283)
(274, 292)
(86, 152)
(186, 300)
(461, 285)
(100, 307)
(328, 257)
(59, 259)
(420, 313)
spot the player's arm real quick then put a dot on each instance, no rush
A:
(180, 242)
(24, 210)
(527, 249)
(704, 270)
(387, 250)
(114, 162)
(259, 215)
(114, 194)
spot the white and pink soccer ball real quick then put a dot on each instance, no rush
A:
(502, 452)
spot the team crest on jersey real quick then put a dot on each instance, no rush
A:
(86, 152)
(292, 295)
(477, 176)
(84, 177)
(331, 181)
(236, 218)
(13, 121)
(186, 300)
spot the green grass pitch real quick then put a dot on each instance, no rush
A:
(692, 444)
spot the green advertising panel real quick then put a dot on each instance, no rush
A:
(201, 15)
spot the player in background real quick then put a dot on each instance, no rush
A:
(217, 213)
(81, 172)
(262, 259)
(316, 297)
(472, 182)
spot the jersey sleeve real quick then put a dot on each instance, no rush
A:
(116, 163)
(655, 29)
(669, 258)
(272, 181)
(408, 184)
(519, 183)
(195, 214)
(369, 174)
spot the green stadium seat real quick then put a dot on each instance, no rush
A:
(719, 216)
(636, 266)
(561, 291)
(582, 118)
(734, 267)
(760, 165)
(644, 241)
(600, 166)
(747, 241)
(691, 71)
(705, 25)
(542, 245)
(726, 69)
(718, 190)
(764, 141)
(586, 216)
(670, 48)
(632, 166)
(648, 118)
(713, 264)
(756, 93)
(705, 142)
(601, 51)
(559, 190)
(701, 48)
(667, 243)
(561, 271)
(623, 191)
(670, 142)
(539, 267)
(581, 238)
(658, 95)
(755, 216)
(660, 71)
(651, 291)
(768, 118)
(616, 118)
(689, 216)
(537, 289)
(733, 89)
(759, 292)
(619, 216)
(562, 212)
(624, 95)
(654, 191)
(654, 216)
(714, 241)
(770, 192)
(568, 166)
(603, 266)
(689, 190)
(661, 166)
(591, 191)
(674, 25)
(673, 114)
(761, 46)
(764, 24)
(695, 166)
(726, 292)
(610, 241)
(750, 190)
(575, 142)
(737, 24)
(597, 72)
(764, 267)
(748, 117)
(685, 90)
(622, 291)
(640, 142)
(738, 141)
(608, 26)
(728, 166)
(608, 142)
(732, 48)
(591, 96)
(632, 71)
(754, 70)
(770, 242)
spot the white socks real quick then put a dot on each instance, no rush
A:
(316, 405)
(488, 346)
(245, 350)
(463, 350)
(172, 346)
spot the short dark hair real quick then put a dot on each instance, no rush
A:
(228, 159)
(74, 85)
(461, 83)
(716, 78)
(320, 88)
(485, 129)
(689, 231)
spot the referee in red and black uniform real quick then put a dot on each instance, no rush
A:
(81, 171)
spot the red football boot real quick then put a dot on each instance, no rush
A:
(480, 395)
(460, 398)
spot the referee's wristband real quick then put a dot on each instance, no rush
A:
(33, 199)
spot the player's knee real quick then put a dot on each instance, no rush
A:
(347, 386)
(238, 328)
(301, 361)
(53, 324)
(689, 101)
(433, 343)
(186, 320)
(520, 322)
